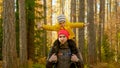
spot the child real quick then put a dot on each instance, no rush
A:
(63, 24)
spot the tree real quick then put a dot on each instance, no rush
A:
(30, 4)
(45, 33)
(117, 30)
(91, 33)
(9, 36)
(100, 29)
(81, 33)
(73, 13)
(49, 21)
(23, 34)
(1, 31)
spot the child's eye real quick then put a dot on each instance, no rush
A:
(60, 23)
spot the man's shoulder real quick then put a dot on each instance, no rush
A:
(71, 41)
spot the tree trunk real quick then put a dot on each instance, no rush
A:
(91, 33)
(30, 29)
(117, 31)
(73, 14)
(23, 34)
(101, 30)
(9, 52)
(1, 36)
(109, 10)
(81, 35)
(45, 33)
(49, 22)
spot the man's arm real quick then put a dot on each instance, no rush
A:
(80, 63)
(52, 58)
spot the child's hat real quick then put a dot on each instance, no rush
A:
(61, 18)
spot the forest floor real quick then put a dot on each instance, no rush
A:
(98, 65)
(107, 65)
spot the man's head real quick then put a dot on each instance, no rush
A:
(63, 36)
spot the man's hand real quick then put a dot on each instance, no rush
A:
(53, 58)
(74, 58)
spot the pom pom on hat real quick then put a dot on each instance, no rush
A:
(61, 18)
(65, 32)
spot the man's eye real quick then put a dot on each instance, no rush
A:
(60, 36)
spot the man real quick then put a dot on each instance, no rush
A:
(63, 24)
(64, 53)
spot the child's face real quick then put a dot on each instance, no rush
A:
(62, 38)
(62, 24)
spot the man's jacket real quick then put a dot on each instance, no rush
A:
(63, 60)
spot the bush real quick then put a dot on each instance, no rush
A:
(38, 65)
(107, 65)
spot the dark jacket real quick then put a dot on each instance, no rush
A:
(74, 50)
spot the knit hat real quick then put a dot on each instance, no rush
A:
(61, 18)
(65, 32)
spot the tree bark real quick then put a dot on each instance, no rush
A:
(91, 33)
(100, 27)
(45, 33)
(30, 29)
(81, 34)
(9, 52)
(23, 34)
(73, 14)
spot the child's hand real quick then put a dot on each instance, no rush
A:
(53, 58)
(86, 24)
(39, 25)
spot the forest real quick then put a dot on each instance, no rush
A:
(23, 45)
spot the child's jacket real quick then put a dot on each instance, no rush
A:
(68, 27)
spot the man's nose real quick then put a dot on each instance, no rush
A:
(62, 38)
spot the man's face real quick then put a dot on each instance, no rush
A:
(62, 38)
